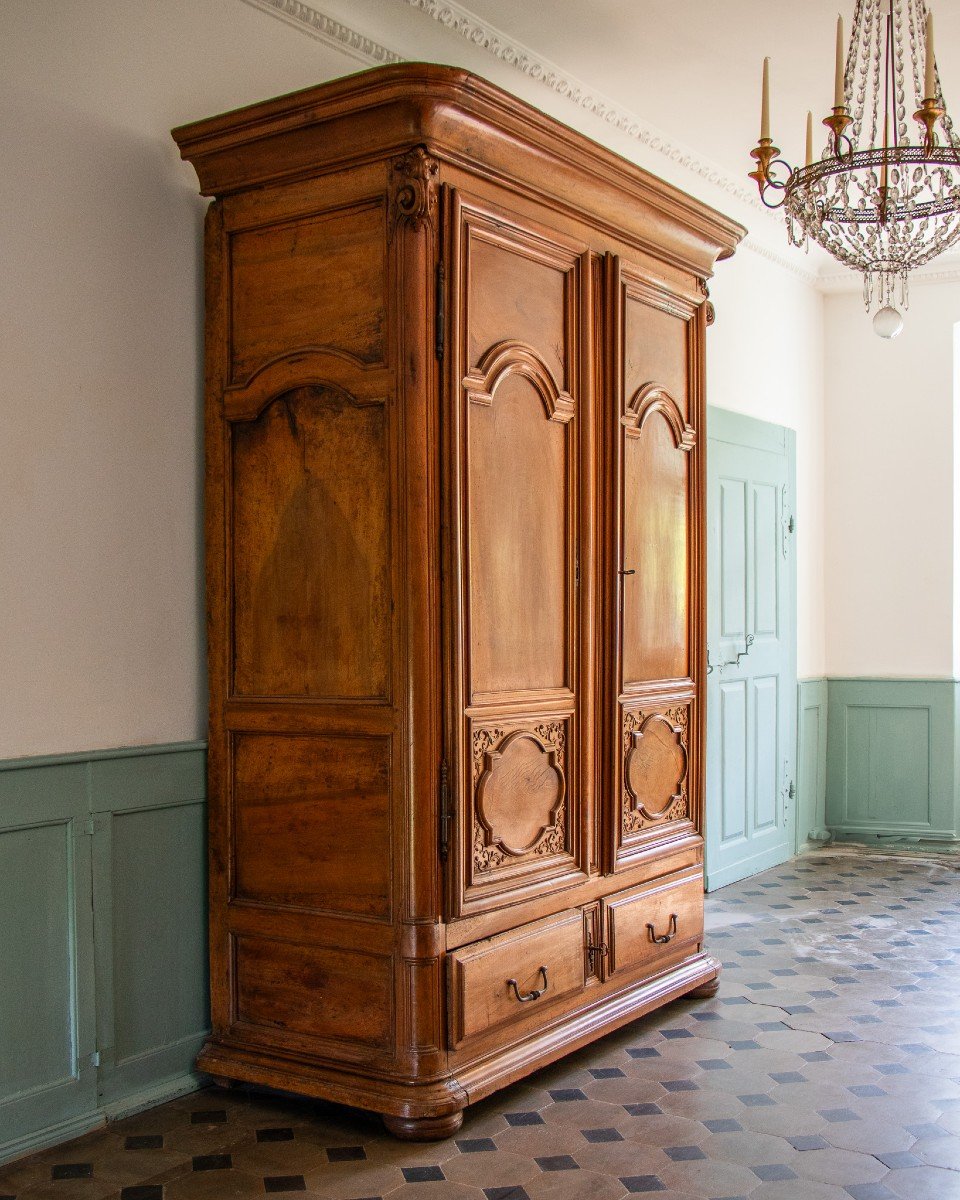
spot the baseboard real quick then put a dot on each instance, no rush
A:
(158, 1093)
(41, 1139)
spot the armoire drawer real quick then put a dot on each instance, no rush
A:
(648, 924)
(515, 974)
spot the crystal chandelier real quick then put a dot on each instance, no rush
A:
(877, 199)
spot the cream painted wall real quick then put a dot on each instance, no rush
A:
(890, 488)
(100, 344)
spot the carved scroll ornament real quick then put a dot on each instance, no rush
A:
(416, 180)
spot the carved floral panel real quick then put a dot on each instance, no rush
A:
(520, 790)
(654, 768)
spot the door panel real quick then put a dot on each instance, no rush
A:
(752, 647)
(651, 572)
(517, 422)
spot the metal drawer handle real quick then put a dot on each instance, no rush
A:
(535, 994)
(663, 938)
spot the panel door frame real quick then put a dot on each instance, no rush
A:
(572, 705)
(751, 433)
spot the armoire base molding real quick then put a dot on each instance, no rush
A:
(432, 1110)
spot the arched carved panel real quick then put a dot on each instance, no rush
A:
(310, 483)
(650, 399)
(519, 794)
(516, 358)
(654, 768)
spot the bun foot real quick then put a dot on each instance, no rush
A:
(423, 1129)
(706, 990)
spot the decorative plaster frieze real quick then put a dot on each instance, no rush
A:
(479, 33)
(325, 29)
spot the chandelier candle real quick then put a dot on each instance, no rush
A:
(884, 196)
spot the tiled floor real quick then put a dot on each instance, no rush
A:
(828, 1068)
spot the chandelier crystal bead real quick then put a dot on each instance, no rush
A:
(884, 195)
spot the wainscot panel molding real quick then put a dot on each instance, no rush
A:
(892, 759)
(103, 992)
(812, 762)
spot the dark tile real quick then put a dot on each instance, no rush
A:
(812, 1056)
(345, 1153)
(644, 1110)
(422, 1174)
(676, 1033)
(750, 1044)
(72, 1171)
(870, 1191)
(523, 1118)
(557, 1162)
(274, 1135)
(562, 1095)
(684, 1153)
(506, 1193)
(607, 1073)
(643, 1052)
(679, 1085)
(284, 1183)
(810, 1141)
(714, 1064)
(212, 1162)
(209, 1116)
(837, 1115)
(891, 1068)
(476, 1145)
(896, 1160)
(723, 1125)
(771, 1172)
(788, 1077)
(927, 1131)
(866, 1089)
(602, 1135)
(142, 1191)
(643, 1183)
(756, 1100)
(843, 1035)
(144, 1141)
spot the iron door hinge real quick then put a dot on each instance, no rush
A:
(445, 814)
(441, 332)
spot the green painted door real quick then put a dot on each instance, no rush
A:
(751, 638)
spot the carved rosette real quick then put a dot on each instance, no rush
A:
(416, 178)
(654, 769)
(545, 743)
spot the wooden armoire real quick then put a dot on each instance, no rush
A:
(455, 551)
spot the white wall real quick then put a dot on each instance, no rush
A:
(100, 344)
(890, 455)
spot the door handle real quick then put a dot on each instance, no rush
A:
(747, 643)
(523, 997)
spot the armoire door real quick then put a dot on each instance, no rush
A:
(652, 567)
(517, 414)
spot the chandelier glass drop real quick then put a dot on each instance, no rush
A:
(884, 195)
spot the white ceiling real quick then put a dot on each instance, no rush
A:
(692, 68)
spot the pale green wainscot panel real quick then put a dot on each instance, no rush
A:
(150, 911)
(812, 762)
(47, 1071)
(102, 1009)
(892, 756)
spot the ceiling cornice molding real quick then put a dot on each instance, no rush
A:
(849, 281)
(325, 29)
(787, 261)
(508, 50)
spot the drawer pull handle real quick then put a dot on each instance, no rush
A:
(535, 994)
(663, 938)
